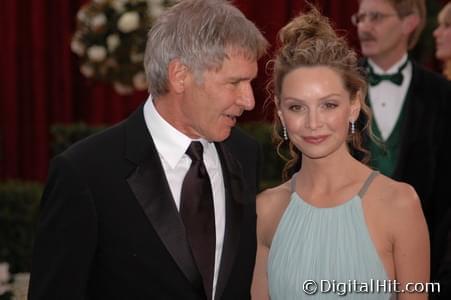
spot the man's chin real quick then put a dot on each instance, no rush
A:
(220, 135)
(367, 50)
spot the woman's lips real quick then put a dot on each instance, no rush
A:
(318, 139)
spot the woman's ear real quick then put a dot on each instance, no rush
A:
(356, 105)
(279, 112)
(177, 73)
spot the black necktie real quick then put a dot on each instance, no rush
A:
(396, 78)
(197, 212)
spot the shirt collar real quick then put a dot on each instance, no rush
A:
(393, 69)
(171, 144)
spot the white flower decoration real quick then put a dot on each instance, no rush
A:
(122, 89)
(87, 70)
(156, 11)
(98, 21)
(4, 272)
(82, 16)
(128, 22)
(112, 42)
(96, 53)
(139, 81)
(19, 287)
(137, 57)
(77, 47)
(4, 278)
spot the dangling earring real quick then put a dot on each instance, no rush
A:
(285, 135)
(352, 127)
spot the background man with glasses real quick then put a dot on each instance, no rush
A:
(409, 107)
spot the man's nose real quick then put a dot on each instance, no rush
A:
(246, 98)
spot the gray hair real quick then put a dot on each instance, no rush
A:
(199, 33)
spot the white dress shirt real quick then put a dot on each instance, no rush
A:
(171, 145)
(387, 99)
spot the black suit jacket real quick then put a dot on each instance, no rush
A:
(424, 158)
(109, 228)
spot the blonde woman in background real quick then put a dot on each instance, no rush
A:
(442, 35)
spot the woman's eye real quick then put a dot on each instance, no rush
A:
(330, 105)
(294, 107)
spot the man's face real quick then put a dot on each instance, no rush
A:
(380, 30)
(210, 107)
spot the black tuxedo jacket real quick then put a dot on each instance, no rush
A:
(109, 227)
(424, 158)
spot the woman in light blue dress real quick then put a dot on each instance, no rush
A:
(335, 229)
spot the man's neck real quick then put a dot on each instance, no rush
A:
(386, 61)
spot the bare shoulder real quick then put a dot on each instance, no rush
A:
(272, 198)
(396, 195)
(271, 204)
(397, 203)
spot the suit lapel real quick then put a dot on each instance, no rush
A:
(234, 195)
(414, 108)
(150, 187)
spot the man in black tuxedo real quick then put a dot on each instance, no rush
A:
(410, 105)
(162, 205)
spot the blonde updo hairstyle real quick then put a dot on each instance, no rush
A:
(309, 40)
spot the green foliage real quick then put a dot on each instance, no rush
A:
(19, 202)
(64, 135)
(272, 163)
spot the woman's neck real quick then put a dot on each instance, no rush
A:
(330, 172)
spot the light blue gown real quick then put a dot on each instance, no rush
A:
(322, 244)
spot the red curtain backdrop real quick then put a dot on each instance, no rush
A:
(40, 83)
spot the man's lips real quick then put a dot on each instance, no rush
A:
(366, 37)
(231, 117)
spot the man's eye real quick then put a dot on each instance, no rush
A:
(376, 16)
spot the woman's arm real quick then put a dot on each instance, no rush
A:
(259, 288)
(411, 243)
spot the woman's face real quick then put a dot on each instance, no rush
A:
(442, 35)
(316, 109)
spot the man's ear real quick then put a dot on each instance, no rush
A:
(410, 23)
(177, 73)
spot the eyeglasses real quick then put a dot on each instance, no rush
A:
(373, 17)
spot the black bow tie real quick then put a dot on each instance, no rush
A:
(396, 78)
